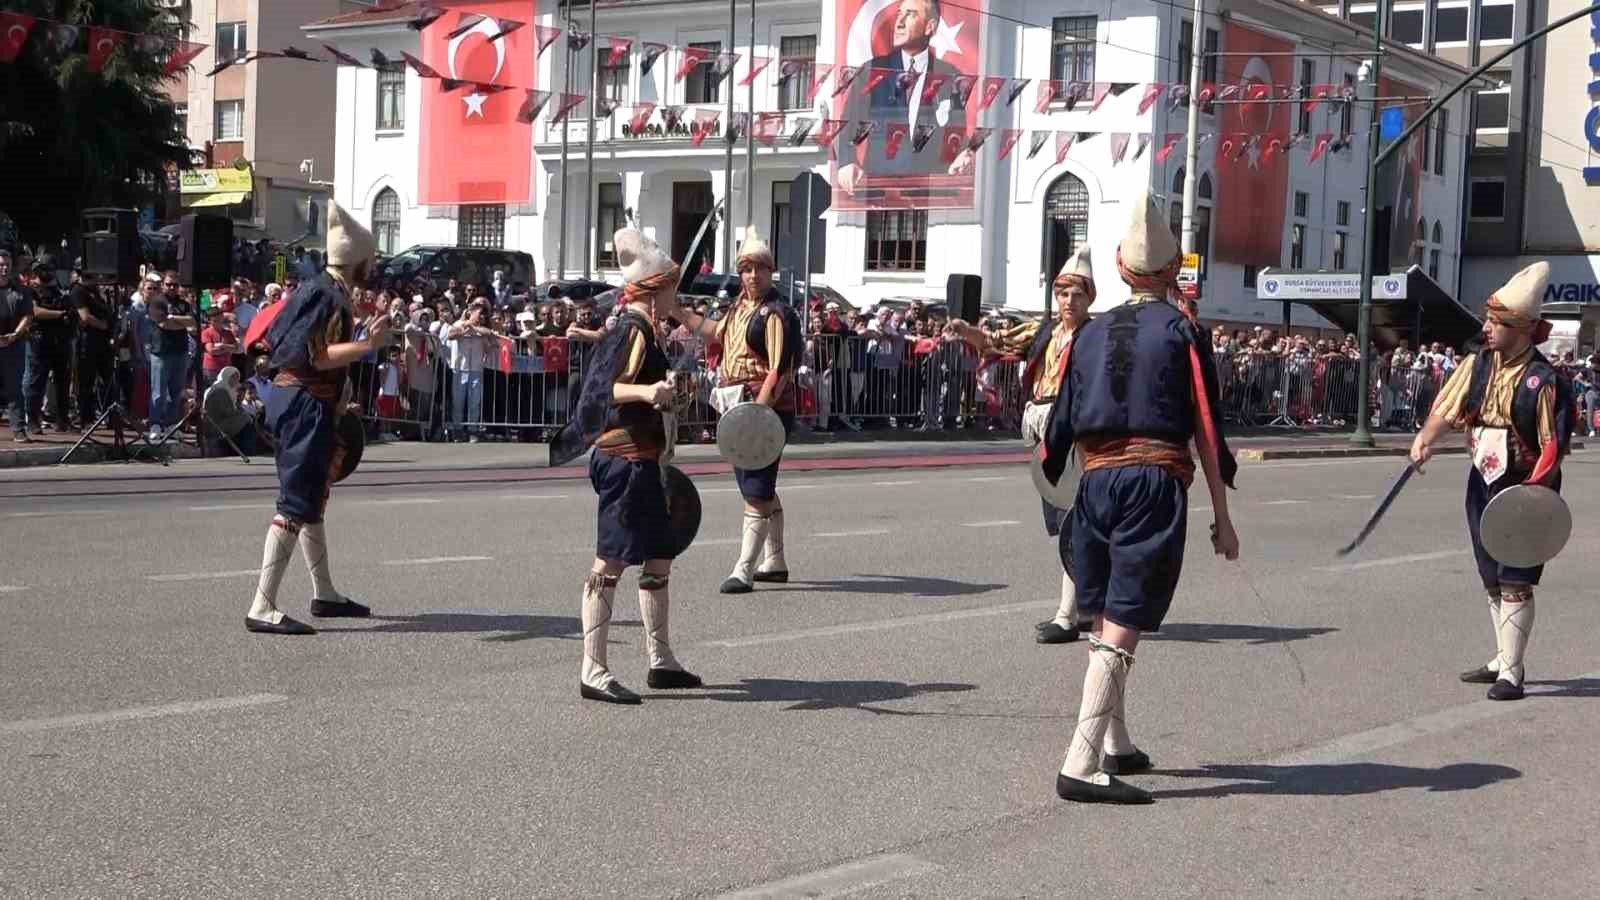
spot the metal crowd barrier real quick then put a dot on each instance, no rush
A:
(1260, 390)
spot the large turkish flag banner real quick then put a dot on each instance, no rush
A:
(1253, 187)
(1400, 184)
(472, 148)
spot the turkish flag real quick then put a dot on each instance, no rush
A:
(102, 43)
(1251, 191)
(473, 148)
(15, 34)
(556, 354)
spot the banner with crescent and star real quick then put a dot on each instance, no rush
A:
(1252, 191)
(923, 60)
(1400, 180)
(474, 148)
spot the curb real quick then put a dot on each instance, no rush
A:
(1349, 452)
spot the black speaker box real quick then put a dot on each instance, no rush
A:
(964, 295)
(205, 251)
(111, 245)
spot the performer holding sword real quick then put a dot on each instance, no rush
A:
(1139, 386)
(624, 413)
(761, 348)
(1046, 348)
(1518, 412)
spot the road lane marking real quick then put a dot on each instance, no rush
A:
(992, 478)
(29, 726)
(220, 507)
(430, 560)
(719, 490)
(204, 576)
(1355, 496)
(995, 524)
(718, 542)
(1392, 561)
(1363, 743)
(840, 534)
(535, 496)
(1199, 509)
(12, 588)
(1283, 502)
(45, 514)
(402, 501)
(894, 483)
(876, 625)
(840, 880)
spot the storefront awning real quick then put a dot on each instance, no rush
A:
(223, 198)
(214, 187)
(1425, 314)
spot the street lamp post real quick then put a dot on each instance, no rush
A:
(1362, 436)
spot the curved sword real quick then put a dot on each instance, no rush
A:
(1383, 507)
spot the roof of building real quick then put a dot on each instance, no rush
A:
(384, 13)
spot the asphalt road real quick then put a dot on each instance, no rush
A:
(885, 726)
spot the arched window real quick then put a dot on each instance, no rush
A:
(1436, 251)
(1438, 233)
(1066, 222)
(1205, 187)
(386, 221)
(1419, 246)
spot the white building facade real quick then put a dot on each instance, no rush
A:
(1028, 213)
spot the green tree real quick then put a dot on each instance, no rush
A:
(71, 138)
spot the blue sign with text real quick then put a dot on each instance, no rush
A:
(1391, 123)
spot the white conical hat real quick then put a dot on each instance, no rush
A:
(1521, 301)
(754, 248)
(1148, 245)
(349, 242)
(1078, 264)
(640, 257)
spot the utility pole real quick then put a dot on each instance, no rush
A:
(594, 95)
(727, 162)
(1362, 436)
(561, 238)
(1191, 154)
(750, 133)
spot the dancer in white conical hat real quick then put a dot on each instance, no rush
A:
(1519, 412)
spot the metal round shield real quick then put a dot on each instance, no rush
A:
(751, 436)
(683, 508)
(1525, 525)
(351, 433)
(1063, 493)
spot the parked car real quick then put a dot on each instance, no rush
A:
(474, 265)
(574, 289)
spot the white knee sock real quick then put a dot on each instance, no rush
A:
(653, 609)
(598, 593)
(755, 539)
(1513, 630)
(1118, 742)
(1493, 665)
(1103, 684)
(314, 547)
(772, 556)
(1067, 612)
(274, 562)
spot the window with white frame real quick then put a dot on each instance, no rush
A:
(1420, 245)
(391, 97)
(614, 76)
(1072, 48)
(482, 225)
(1487, 200)
(1450, 23)
(1496, 22)
(386, 221)
(1308, 77)
(1407, 23)
(230, 120)
(1364, 14)
(609, 219)
(802, 49)
(1339, 239)
(1442, 121)
(1341, 213)
(1494, 107)
(231, 38)
(782, 214)
(1347, 115)
(897, 240)
(1433, 255)
(1297, 247)
(1302, 204)
(1250, 277)
(702, 85)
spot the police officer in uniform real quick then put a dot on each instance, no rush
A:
(96, 320)
(50, 346)
(16, 317)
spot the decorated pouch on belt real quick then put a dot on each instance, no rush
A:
(724, 399)
(1035, 416)
(1489, 448)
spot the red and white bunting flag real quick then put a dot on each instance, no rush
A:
(758, 64)
(705, 122)
(737, 126)
(465, 23)
(1167, 146)
(692, 56)
(672, 117)
(828, 131)
(577, 40)
(802, 130)
(605, 106)
(1152, 93)
(1319, 93)
(505, 26)
(1037, 141)
(769, 126)
(989, 90)
(102, 43)
(819, 74)
(932, 85)
(641, 117)
(1321, 146)
(1258, 92)
(1144, 144)
(619, 48)
(788, 68)
(1008, 141)
(1225, 151)
(961, 88)
(532, 105)
(1047, 95)
(844, 77)
(1228, 92)
(1064, 142)
(649, 52)
(342, 58)
(427, 14)
(952, 142)
(183, 53)
(422, 69)
(1119, 146)
(894, 137)
(864, 132)
(545, 35)
(724, 64)
(875, 77)
(979, 136)
(567, 104)
(1102, 89)
(1274, 146)
(1179, 95)
(905, 81)
(1208, 93)
(1015, 91)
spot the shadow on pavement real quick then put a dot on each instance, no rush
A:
(823, 695)
(1572, 687)
(514, 627)
(1202, 633)
(1343, 780)
(908, 585)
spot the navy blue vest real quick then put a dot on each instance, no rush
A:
(1525, 405)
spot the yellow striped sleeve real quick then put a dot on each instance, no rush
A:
(1547, 415)
(774, 341)
(1452, 400)
(630, 372)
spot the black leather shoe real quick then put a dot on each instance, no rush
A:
(1055, 634)
(781, 576)
(1040, 626)
(672, 679)
(1126, 764)
(1505, 690)
(1481, 675)
(612, 693)
(735, 586)
(287, 626)
(1089, 792)
(345, 609)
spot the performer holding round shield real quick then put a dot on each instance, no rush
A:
(312, 349)
(1139, 386)
(1518, 413)
(623, 412)
(761, 346)
(1045, 345)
